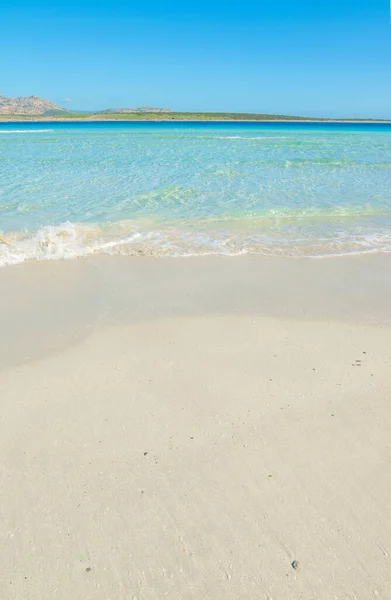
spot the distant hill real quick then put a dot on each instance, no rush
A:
(34, 108)
(33, 105)
(140, 109)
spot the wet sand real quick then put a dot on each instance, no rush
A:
(188, 428)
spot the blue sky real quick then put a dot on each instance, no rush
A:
(303, 57)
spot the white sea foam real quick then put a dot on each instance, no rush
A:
(70, 240)
(25, 130)
(246, 137)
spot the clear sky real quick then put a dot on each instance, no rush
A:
(301, 57)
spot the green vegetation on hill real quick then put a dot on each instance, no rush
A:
(56, 113)
(195, 116)
(59, 115)
(153, 116)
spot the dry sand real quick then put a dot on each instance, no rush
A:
(189, 428)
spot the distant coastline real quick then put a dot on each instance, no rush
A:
(178, 117)
(34, 108)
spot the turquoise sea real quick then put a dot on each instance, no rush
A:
(73, 189)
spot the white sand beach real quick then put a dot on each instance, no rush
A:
(188, 428)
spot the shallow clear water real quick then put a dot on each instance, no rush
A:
(69, 189)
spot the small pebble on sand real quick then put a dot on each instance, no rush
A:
(296, 565)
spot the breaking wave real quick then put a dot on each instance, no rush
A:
(71, 240)
(25, 130)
